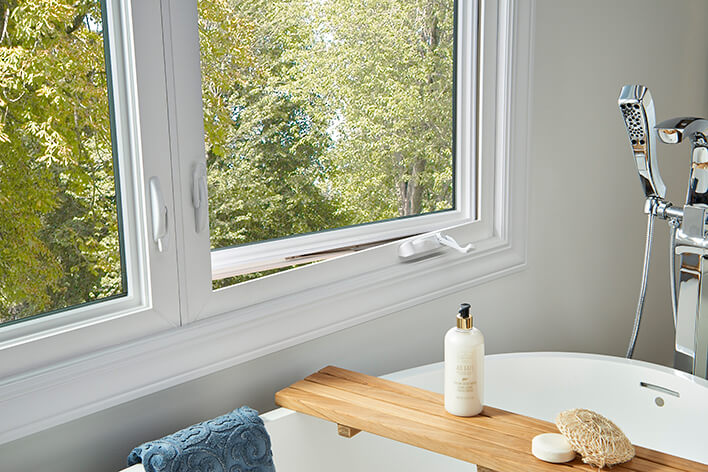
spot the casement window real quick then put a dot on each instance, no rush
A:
(246, 160)
(74, 220)
(328, 127)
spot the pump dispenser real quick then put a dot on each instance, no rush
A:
(464, 366)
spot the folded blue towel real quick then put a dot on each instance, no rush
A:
(236, 442)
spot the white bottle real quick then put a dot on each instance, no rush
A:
(464, 366)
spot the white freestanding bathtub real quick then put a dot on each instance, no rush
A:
(657, 407)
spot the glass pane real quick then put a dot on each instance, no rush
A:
(59, 230)
(321, 114)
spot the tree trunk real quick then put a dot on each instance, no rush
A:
(410, 192)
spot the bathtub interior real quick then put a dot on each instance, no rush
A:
(304, 443)
(544, 384)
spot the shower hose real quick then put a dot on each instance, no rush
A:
(673, 225)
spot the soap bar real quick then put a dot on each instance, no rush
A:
(552, 447)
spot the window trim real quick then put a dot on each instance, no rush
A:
(73, 387)
(228, 260)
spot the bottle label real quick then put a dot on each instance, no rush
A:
(465, 379)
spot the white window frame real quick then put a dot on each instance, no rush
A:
(237, 260)
(480, 158)
(226, 327)
(37, 383)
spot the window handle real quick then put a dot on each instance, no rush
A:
(159, 215)
(449, 241)
(430, 244)
(200, 200)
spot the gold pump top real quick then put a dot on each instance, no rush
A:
(464, 323)
(464, 318)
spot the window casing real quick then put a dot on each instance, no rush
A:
(60, 368)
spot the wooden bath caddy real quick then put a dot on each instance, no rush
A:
(496, 440)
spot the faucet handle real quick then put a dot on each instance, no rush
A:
(672, 131)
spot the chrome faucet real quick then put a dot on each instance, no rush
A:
(691, 243)
(689, 225)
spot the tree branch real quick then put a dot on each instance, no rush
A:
(4, 24)
(76, 23)
(83, 8)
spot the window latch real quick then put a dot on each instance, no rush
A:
(159, 215)
(430, 244)
(199, 197)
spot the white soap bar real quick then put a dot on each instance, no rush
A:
(552, 447)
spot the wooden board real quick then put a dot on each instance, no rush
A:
(496, 439)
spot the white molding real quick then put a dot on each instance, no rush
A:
(40, 399)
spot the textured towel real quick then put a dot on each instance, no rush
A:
(237, 442)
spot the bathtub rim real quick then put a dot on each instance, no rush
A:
(556, 354)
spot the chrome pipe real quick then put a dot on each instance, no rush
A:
(689, 225)
(690, 241)
(674, 131)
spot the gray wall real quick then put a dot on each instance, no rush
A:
(586, 231)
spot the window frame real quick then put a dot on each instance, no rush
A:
(238, 259)
(262, 316)
(36, 352)
(472, 200)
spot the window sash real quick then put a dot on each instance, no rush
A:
(202, 265)
(148, 306)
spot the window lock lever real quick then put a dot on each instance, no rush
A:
(199, 197)
(430, 244)
(159, 215)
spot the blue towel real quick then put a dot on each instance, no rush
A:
(236, 442)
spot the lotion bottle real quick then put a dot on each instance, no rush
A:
(464, 366)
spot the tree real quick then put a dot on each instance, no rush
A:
(336, 113)
(266, 141)
(386, 68)
(58, 218)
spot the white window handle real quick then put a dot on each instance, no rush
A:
(159, 215)
(429, 244)
(449, 241)
(199, 197)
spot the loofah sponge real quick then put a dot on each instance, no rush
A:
(598, 440)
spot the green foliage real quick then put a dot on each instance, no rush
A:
(265, 140)
(389, 76)
(58, 214)
(327, 114)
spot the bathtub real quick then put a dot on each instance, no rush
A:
(657, 407)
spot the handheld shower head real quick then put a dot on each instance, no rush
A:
(637, 108)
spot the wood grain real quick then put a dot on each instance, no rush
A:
(346, 431)
(496, 440)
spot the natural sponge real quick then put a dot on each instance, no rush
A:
(598, 440)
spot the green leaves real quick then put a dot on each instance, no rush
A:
(328, 113)
(58, 221)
